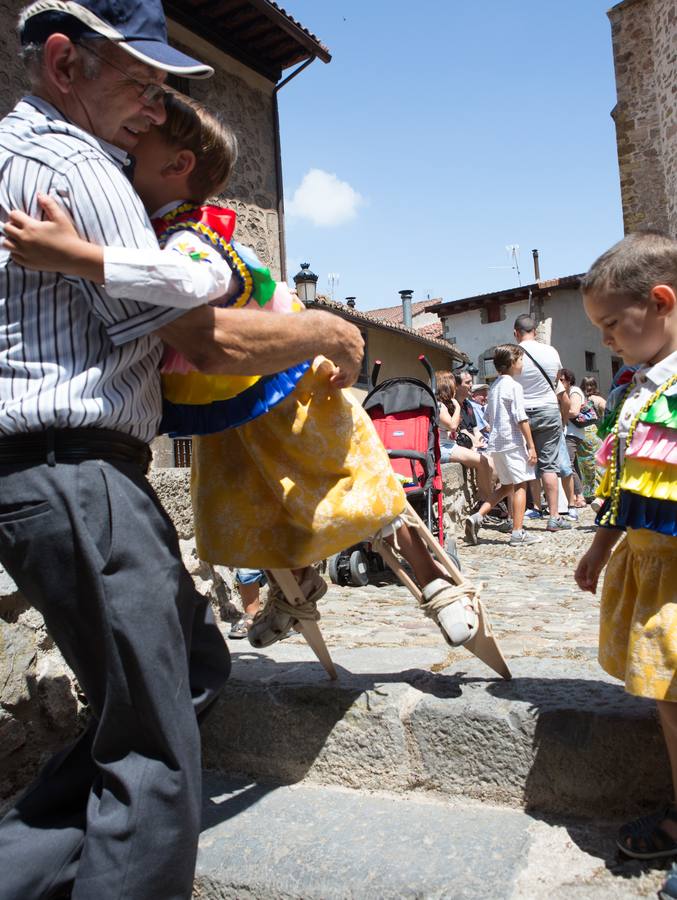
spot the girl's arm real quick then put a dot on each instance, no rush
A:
(589, 568)
(186, 274)
(456, 415)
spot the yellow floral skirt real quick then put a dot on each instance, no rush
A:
(638, 615)
(306, 480)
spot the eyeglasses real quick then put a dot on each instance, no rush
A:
(147, 91)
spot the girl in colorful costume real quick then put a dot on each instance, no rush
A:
(630, 294)
(274, 491)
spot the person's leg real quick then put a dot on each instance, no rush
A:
(251, 598)
(668, 716)
(519, 506)
(480, 463)
(551, 491)
(103, 566)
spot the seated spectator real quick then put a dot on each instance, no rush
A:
(478, 401)
(461, 427)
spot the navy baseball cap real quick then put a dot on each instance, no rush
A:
(137, 26)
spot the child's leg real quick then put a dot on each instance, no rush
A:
(502, 491)
(519, 505)
(668, 715)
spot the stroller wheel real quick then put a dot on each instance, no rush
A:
(359, 570)
(332, 568)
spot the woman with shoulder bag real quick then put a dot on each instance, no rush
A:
(587, 451)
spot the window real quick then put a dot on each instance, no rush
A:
(616, 364)
(590, 362)
(492, 312)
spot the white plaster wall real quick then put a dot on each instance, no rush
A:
(474, 338)
(565, 320)
(572, 335)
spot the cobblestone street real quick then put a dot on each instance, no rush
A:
(535, 606)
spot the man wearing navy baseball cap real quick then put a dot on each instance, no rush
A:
(117, 815)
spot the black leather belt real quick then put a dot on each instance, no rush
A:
(73, 445)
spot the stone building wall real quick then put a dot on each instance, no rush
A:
(245, 100)
(644, 36)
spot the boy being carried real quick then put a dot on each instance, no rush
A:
(511, 446)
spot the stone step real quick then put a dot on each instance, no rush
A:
(560, 737)
(309, 842)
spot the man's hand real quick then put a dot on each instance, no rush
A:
(51, 244)
(347, 352)
(533, 458)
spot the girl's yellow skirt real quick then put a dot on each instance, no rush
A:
(638, 615)
(306, 480)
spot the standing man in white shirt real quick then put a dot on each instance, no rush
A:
(538, 380)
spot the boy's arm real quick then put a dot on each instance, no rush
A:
(167, 277)
(528, 440)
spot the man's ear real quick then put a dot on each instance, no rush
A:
(665, 298)
(181, 165)
(59, 62)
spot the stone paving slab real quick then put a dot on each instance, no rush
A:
(548, 740)
(408, 713)
(324, 843)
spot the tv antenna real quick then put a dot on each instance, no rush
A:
(513, 251)
(333, 280)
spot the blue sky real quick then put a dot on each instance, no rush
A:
(443, 131)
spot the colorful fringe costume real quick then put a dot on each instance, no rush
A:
(286, 469)
(638, 625)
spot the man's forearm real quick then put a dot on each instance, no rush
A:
(250, 342)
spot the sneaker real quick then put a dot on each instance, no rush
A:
(274, 621)
(506, 526)
(558, 523)
(533, 514)
(572, 513)
(472, 527)
(520, 538)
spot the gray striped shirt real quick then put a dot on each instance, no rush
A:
(71, 355)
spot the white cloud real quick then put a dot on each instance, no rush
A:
(324, 199)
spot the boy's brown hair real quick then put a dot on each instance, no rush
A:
(191, 126)
(506, 355)
(633, 266)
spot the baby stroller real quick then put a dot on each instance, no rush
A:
(405, 414)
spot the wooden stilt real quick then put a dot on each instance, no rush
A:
(309, 629)
(483, 645)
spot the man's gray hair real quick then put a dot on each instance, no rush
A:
(32, 56)
(524, 324)
(634, 265)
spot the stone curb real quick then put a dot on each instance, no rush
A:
(560, 737)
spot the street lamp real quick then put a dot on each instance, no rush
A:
(306, 284)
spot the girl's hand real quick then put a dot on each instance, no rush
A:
(49, 245)
(588, 569)
(533, 458)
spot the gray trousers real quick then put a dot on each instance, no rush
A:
(117, 814)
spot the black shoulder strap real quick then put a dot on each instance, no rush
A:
(540, 369)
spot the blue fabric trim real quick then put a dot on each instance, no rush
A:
(186, 419)
(635, 511)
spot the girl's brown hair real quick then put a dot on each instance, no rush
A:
(446, 388)
(191, 126)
